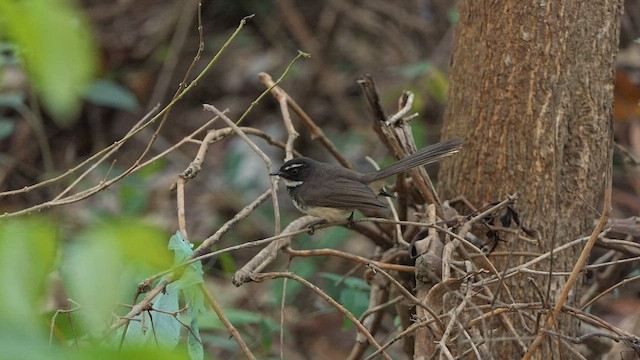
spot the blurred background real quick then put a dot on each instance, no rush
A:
(141, 51)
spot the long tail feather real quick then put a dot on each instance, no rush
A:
(424, 156)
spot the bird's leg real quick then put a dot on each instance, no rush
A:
(312, 226)
(351, 224)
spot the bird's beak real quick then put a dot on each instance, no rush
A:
(277, 173)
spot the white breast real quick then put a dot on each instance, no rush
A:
(329, 214)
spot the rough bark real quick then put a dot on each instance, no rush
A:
(531, 90)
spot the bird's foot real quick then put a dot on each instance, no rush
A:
(312, 227)
(351, 224)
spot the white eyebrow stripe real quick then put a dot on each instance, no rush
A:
(292, 166)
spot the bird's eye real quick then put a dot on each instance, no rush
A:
(295, 171)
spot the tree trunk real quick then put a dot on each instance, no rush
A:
(531, 91)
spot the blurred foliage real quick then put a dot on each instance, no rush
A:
(6, 128)
(351, 292)
(307, 267)
(104, 264)
(257, 329)
(52, 35)
(28, 251)
(433, 81)
(134, 193)
(109, 93)
(14, 347)
(100, 268)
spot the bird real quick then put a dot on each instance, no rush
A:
(332, 192)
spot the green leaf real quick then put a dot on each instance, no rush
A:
(193, 275)
(165, 332)
(354, 295)
(105, 263)
(194, 340)
(167, 328)
(57, 49)
(181, 247)
(92, 275)
(27, 252)
(349, 282)
(189, 286)
(110, 94)
(356, 301)
(138, 242)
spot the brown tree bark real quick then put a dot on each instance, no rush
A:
(531, 91)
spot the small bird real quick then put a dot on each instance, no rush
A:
(333, 192)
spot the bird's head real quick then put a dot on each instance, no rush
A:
(295, 171)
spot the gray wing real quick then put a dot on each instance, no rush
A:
(346, 194)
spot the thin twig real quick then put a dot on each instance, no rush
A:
(138, 308)
(350, 257)
(315, 130)
(108, 150)
(408, 294)
(182, 219)
(223, 318)
(404, 333)
(105, 183)
(301, 54)
(213, 239)
(269, 253)
(178, 40)
(327, 298)
(265, 158)
(394, 213)
(393, 119)
(610, 289)
(55, 316)
(281, 96)
(551, 319)
(216, 135)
